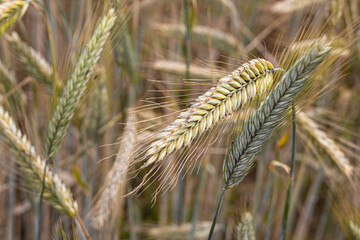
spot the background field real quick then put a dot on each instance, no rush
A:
(159, 57)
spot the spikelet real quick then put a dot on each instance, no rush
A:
(10, 13)
(77, 84)
(116, 177)
(329, 146)
(37, 66)
(259, 127)
(289, 6)
(179, 68)
(245, 229)
(230, 94)
(33, 168)
(201, 34)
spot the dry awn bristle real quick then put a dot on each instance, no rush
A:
(10, 12)
(230, 93)
(33, 168)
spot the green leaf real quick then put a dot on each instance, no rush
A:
(80, 180)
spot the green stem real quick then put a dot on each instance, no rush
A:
(180, 202)
(11, 203)
(197, 202)
(187, 39)
(53, 54)
(289, 190)
(38, 235)
(181, 188)
(82, 227)
(216, 215)
(79, 227)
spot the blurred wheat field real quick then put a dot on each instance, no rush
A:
(182, 119)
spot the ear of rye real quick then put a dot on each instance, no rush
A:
(77, 84)
(259, 127)
(229, 95)
(325, 143)
(116, 178)
(37, 66)
(245, 229)
(32, 166)
(10, 13)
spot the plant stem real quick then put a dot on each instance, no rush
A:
(181, 188)
(38, 235)
(53, 54)
(187, 39)
(11, 203)
(197, 202)
(216, 215)
(289, 190)
(49, 27)
(77, 224)
(180, 201)
(82, 226)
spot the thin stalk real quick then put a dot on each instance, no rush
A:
(132, 217)
(258, 193)
(323, 219)
(11, 199)
(55, 87)
(38, 215)
(262, 197)
(187, 39)
(85, 175)
(307, 212)
(196, 203)
(93, 169)
(181, 189)
(79, 226)
(180, 202)
(289, 190)
(82, 226)
(273, 202)
(298, 191)
(38, 234)
(216, 214)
